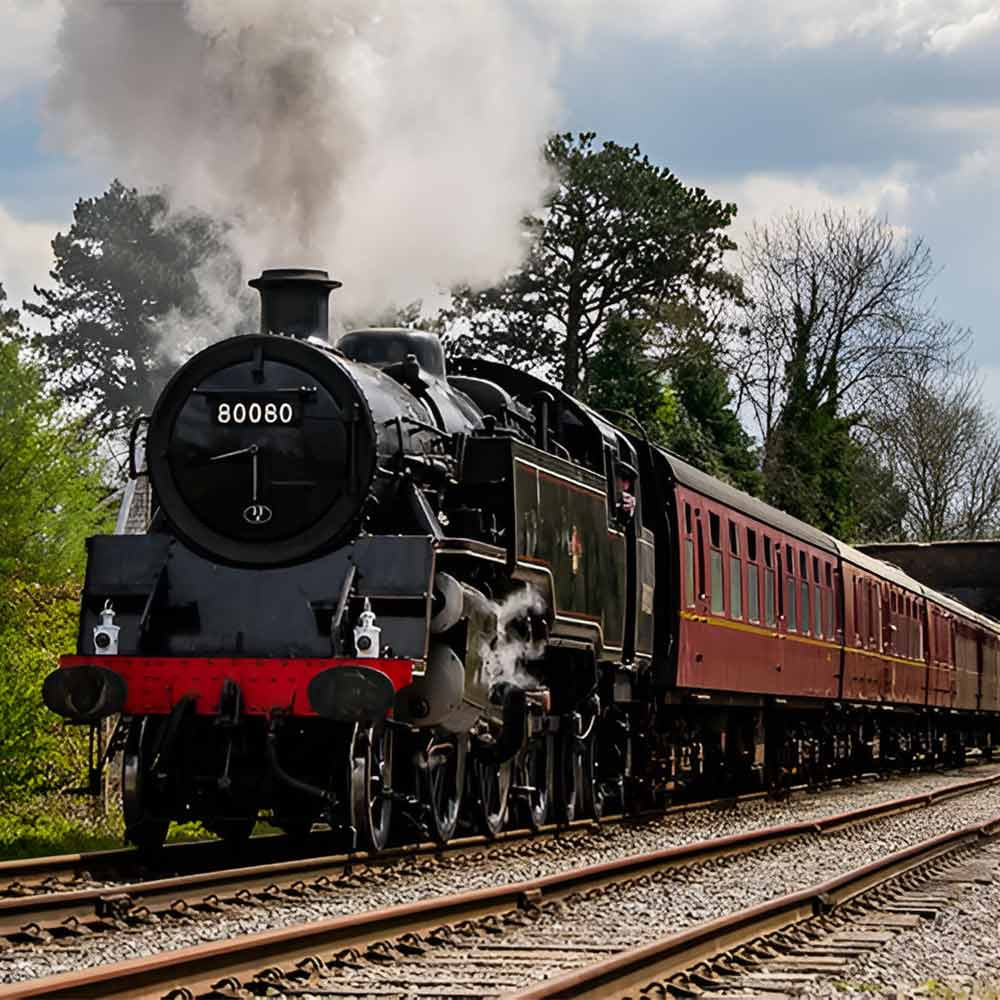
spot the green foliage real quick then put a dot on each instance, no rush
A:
(617, 235)
(689, 409)
(622, 378)
(37, 751)
(50, 489)
(708, 432)
(123, 270)
(815, 468)
(44, 826)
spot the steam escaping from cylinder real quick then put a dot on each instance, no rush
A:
(396, 144)
(505, 655)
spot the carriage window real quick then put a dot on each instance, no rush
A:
(753, 599)
(689, 572)
(735, 588)
(815, 569)
(790, 603)
(768, 557)
(803, 571)
(687, 518)
(817, 610)
(769, 618)
(734, 539)
(805, 605)
(751, 544)
(718, 598)
(828, 613)
(789, 560)
(701, 561)
(714, 530)
(829, 575)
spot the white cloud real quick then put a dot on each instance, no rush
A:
(942, 26)
(27, 42)
(762, 196)
(25, 255)
(956, 34)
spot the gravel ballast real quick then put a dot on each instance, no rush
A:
(688, 896)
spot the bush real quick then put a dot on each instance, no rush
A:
(38, 752)
(44, 825)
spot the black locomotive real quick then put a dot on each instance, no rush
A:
(399, 599)
(368, 587)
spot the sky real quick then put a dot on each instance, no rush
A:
(892, 107)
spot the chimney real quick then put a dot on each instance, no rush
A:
(294, 301)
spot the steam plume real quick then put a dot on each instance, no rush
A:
(394, 142)
(505, 656)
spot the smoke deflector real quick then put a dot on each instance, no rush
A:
(294, 301)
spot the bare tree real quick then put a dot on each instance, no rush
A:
(943, 444)
(839, 298)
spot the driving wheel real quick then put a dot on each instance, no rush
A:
(142, 828)
(443, 779)
(371, 777)
(491, 789)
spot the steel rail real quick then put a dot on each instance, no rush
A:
(638, 967)
(199, 966)
(191, 855)
(79, 904)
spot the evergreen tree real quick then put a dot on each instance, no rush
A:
(123, 270)
(618, 235)
(711, 435)
(687, 409)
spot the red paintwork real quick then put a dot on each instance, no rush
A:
(881, 663)
(156, 683)
(748, 656)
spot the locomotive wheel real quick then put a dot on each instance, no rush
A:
(141, 828)
(444, 780)
(592, 790)
(371, 776)
(571, 778)
(534, 768)
(491, 788)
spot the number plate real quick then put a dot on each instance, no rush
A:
(259, 412)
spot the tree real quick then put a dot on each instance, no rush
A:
(50, 489)
(834, 322)
(685, 403)
(617, 235)
(622, 378)
(125, 283)
(943, 445)
(708, 431)
(834, 307)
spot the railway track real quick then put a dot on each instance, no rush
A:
(69, 872)
(784, 947)
(64, 897)
(508, 934)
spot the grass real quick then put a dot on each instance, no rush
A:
(42, 825)
(38, 826)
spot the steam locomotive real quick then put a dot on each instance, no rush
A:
(404, 600)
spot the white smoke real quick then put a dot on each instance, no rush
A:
(396, 144)
(505, 656)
